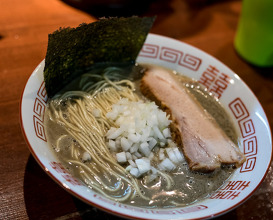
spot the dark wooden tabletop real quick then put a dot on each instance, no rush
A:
(26, 191)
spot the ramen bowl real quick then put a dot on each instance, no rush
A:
(240, 103)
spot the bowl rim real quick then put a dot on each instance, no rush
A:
(111, 211)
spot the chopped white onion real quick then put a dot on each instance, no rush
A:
(158, 132)
(142, 135)
(128, 168)
(144, 149)
(150, 178)
(137, 154)
(125, 144)
(121, 157)
(179, 155)
(161, 154)
(151, 156)
(128, 156)
(112, 146)
(134, 148)
(116, 133)
(167, 165)
(154, 170)
(167, 133)
(132, 163)
(135, 172)
(143, 165)
(152, 143)
(118, 145)
(172, 155)
(134, 137)
(86, 156)
(96, 112)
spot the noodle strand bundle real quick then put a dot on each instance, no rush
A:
(84, 116)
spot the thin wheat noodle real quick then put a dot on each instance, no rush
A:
(89, 131)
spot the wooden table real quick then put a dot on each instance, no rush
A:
(26, 192)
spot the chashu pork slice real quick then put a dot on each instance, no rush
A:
(204, 143)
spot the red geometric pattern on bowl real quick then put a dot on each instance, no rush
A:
(231, 190)
(39, 128)
(39, 110)
(247, 129)
(171, 55)
(58, 167)
(250, 144)
(238, 109)
(42, 92)
(178, 211)
(149, 50)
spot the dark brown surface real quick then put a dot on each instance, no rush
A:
(26, 192)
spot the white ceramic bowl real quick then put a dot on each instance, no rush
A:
(243, 107)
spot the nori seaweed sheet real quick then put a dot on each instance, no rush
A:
(73, 51)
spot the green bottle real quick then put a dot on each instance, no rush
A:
(254, 37)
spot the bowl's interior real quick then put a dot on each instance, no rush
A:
(243, 107)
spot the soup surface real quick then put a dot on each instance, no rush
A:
(81, 153)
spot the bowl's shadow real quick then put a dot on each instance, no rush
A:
(45, 199)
